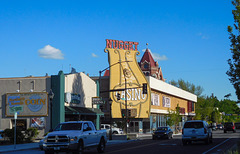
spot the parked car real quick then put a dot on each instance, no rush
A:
(115, 130)
(75, 136)
(196, 130)
(229, 126)
(237, 125)
(214, 127)
(219, 127)
(162, 132)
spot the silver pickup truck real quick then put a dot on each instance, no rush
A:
(75, 136)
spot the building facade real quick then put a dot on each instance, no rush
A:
(28, 97)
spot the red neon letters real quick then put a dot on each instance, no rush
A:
(126, 45)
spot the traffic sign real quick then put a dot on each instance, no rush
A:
(97, 100)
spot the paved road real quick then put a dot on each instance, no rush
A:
(221, 142)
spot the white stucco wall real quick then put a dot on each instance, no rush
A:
(80, 83)
(170, 89)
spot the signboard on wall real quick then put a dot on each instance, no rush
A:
(73, 98)
(126, 74)
(155, 99)
(166, 102)
(27, 104)
(38, 122)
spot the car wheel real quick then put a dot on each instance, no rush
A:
(234, 131)
(184, 142)
(225, 131)
(80, 149)
(153, 137)
(101, 146)
(207, 140)
(211, 139)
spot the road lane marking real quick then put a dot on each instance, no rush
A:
(216, 146)
(132, 147)
(167, 144)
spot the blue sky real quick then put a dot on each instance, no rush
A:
(188, 38)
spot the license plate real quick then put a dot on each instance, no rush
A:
(56, 148)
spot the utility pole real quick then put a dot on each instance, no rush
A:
(126, 105)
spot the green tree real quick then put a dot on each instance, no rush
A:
(185, 85)
(203, 109)
(234, 62)
(174, 117)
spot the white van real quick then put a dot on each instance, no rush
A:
(196, 130)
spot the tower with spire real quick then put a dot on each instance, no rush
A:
(150, 67)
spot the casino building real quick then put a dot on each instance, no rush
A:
(165, 98)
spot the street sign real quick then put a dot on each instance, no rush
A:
(15, 116)
(15, 109)
(97, 100)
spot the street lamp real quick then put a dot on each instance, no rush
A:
(51, 95)
(110, 114)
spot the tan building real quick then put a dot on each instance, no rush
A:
(28, 97)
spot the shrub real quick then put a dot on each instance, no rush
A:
(31, 134)
(10, 134)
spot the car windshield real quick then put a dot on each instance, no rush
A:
(193, 125)
(69, 126)
(162, 128)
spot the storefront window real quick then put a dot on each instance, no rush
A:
(155, 99)
(21, 124)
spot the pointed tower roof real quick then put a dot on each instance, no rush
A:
(147, 56)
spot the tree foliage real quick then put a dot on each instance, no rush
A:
(174, 117)
(209, 108)
(185, 85)
(234, 62)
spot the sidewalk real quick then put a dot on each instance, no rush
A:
(27, 146)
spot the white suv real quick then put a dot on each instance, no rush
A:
(196, 130)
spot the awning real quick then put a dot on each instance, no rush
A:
(82, 111)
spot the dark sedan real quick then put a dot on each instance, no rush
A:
(162, 132)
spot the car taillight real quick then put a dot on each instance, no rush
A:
(205, 131)
(233, 127)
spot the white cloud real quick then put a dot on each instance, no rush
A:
(94, 55)
(50, 52)
(158, 57)
(203, 36)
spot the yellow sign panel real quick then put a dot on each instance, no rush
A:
(27, 104)
(126, 76)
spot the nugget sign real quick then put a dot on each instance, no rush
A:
(126, 74)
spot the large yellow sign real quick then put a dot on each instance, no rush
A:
(126, 76)
(27, 104)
